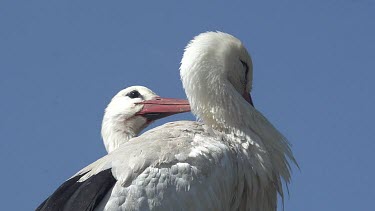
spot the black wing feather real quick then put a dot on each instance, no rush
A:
(73, 195)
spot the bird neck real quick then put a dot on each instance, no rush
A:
(116, 131)
(222, 107)
(219, 105)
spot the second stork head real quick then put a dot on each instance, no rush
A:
(131, 110)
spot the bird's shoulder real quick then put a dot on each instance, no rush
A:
(178, 160)
(181, 160)
(166, 145)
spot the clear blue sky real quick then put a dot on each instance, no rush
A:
(62, 61)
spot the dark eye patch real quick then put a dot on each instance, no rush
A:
(246, 66)
(133, 94)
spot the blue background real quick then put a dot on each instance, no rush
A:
(62, 61)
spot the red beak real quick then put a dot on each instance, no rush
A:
(158, 107)
(247, 97)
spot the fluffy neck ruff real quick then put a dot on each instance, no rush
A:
(217, 101)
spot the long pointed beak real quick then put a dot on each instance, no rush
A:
(158, 107)
(247, 97)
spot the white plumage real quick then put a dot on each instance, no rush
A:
(234, 160)
(133, 109)
(120, 122)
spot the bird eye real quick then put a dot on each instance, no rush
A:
(133, 94)
(246, 66)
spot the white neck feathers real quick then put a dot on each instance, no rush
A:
(117, 130)
(213, 86)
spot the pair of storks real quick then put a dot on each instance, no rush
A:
(232, 159)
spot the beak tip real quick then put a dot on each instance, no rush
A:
(247, 97)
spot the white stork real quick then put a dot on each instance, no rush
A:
(129, 112)
(234, 160)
